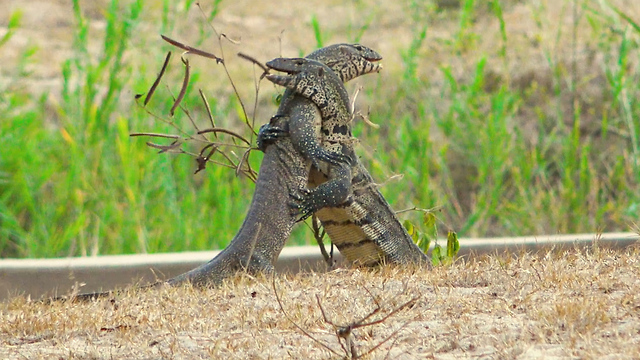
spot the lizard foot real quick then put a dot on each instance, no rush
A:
(334, 158)
(302, 204)
(268, 134)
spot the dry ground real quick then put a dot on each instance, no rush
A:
(578, 304)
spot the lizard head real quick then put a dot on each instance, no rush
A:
(300, 71)
(348, 61)
(294, 65)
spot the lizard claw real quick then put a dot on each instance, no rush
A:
(301, 204)
(268, 134)
(337, 158)
(333, 158)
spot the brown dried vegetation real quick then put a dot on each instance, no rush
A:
(567, 304)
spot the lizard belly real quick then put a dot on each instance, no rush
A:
(349, 237)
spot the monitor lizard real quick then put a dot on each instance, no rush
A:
(283, 171)
(346, 200)
(269, 221)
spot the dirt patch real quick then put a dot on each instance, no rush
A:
(556, 305)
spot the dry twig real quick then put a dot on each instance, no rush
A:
(343, 332)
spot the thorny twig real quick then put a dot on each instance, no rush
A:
(415, 208)
(344, 332)
(175, 147)
(364, 117)
(233, 85)
(319, 234)
(275, 291)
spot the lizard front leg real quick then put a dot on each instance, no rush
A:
(304, 143)
(269, 134)
(331, 193)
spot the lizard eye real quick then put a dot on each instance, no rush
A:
(299, 62)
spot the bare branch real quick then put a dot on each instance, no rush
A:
(234, 42)
(275, 291)
(157, 81)
(243, 161)
(254, 61)
(319, 236)
(192, 49)
(168, 122)
(253, 247)
(226, 131)
(431, 210)
(396, 310)
(375, 299)
(206, 105)
(354, 97)
(393, 334)
(335, 327)
(183, 90)
(345, 332)
(202, 160)
(168, 136)
(165, 148)
(224, 66)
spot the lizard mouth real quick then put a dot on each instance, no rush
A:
(372, 65)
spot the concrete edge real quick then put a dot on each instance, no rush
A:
(45, 277)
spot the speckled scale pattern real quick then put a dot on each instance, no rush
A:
(362, 226)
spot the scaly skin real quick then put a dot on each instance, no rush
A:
(268, 224)
(363, 226)
(307, 78)
(283, 172)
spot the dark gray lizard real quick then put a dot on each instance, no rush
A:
(283, 171)
(269, 221)
(362, 225)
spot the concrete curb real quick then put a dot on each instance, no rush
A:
(44, 277)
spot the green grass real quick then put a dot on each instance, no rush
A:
(72, 181)
(84, 186)
(484, 169)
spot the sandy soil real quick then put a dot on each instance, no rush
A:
(553, 306)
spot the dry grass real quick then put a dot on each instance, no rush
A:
(572, 304)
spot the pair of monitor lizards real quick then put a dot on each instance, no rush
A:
(309, 166)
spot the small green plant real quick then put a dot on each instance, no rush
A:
(429, 234)
(317, 31)
(12, 26)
